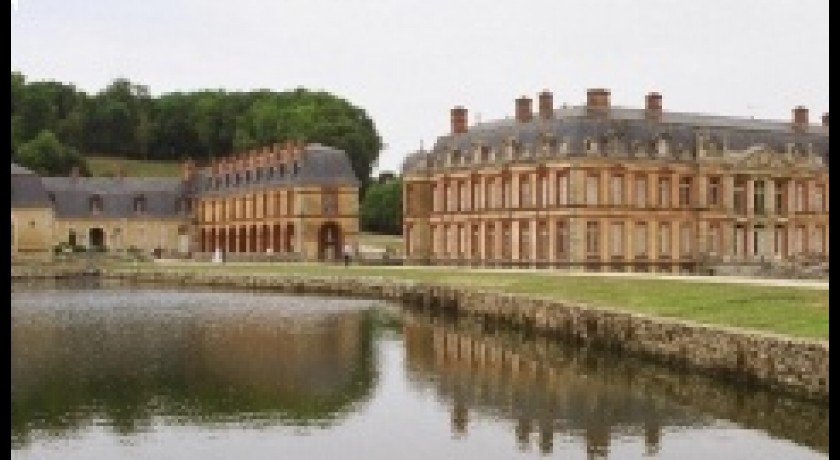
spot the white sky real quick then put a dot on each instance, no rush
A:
(407, 62)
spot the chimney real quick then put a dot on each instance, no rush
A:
(800, 118)
(523, 109)
(546, 105)
(458, 119)
(653, 106)
(825, 119)
(597, 100)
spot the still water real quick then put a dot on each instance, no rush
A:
(112, 372)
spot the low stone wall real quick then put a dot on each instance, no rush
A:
(783, 363)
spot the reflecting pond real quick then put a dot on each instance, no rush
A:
(114, 372)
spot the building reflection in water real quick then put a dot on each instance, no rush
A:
(550, 391)
(213, 358)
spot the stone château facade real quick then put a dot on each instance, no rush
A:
(291, 200)
(612, 188)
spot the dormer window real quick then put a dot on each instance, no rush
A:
(247, 177)
(51, 197)
(95, 204)
(295, 168)
(259, 174)
(139, 204)
(227, 180)
(282, 170)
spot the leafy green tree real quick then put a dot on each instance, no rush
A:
(48, 157)
(381, 208)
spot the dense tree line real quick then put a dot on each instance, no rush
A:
(125, 120)
(381, 208)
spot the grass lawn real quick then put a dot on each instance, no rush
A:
(790, 311)
(101, 166)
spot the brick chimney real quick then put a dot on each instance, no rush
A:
(825, 119)
(546, 105)
(597, 100)
(653, 106)
(458, 119)
(523, 109)
(800, 118)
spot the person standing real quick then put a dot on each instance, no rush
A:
(347, 250)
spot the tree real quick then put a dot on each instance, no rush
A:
(381, 208)
(48, 157)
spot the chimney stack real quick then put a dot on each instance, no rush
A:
(458, 118)
(800, 118)
(546, 105)
(523, 109)
(653, 106)
(825, 119)
(597, 100)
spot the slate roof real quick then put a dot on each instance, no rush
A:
(319, 165)
(27, 190)
(630, 130)
(71, 197)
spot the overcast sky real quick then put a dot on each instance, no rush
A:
(407, 62)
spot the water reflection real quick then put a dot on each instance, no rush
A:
(548, 391)
(122, 360)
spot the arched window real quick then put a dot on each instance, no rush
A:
(139, 204)
(95, 204)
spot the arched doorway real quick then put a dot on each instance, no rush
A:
(252, 239)
(243, 240)
(290, 238)
(329, 241)
(277, 245)
(96, 239)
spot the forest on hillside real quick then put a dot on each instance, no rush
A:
(55, 125)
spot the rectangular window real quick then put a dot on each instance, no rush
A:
(714, 194)
(592, 239)
(488, 194)
(641, 192)
(561, 245)
(640, 240)
(524, 240)
(739, 248)
(475, 199)
(592, 185)
(562, 189)
(780, 199)
(817, 240)
(506, 243)
(800, 197)
(685, 240)
(713, 238)
(758, 197)
(490, 242)
(664, 192)
(685, 192)
(780, 241)
(819, 198)
(474, 242)
(739, 195)
(542, 241)
(617, 190)
(617, 240)
(664, 240)
(542, 192)
(525, 191)
(506, 193)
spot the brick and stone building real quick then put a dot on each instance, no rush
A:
(292, 200)
(286, 198)
(603, 187)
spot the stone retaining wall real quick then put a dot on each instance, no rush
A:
(798, 366)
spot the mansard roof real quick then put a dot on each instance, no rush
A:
(629, 130)
(318, 165)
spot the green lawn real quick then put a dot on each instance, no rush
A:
(790, 311)
(101, 166)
